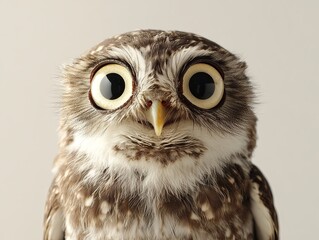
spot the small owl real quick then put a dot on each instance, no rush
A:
(156, 136)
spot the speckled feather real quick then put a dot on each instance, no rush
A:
(114, 179)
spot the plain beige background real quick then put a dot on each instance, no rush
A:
(278, 39)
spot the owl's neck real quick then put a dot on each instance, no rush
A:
(174, 165)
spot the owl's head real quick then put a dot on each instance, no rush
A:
(161, 97)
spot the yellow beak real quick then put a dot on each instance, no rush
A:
(156, 115)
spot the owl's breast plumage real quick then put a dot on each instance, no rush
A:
(106, 209)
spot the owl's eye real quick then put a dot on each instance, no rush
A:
(111, 86)
(203, 85)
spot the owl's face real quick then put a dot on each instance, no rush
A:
(143, 100)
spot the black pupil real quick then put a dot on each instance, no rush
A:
(202, 85)
(112, 86)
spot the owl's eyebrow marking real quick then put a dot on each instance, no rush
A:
(179, 59)
(132, 57)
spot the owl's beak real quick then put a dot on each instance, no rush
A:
(156, 115)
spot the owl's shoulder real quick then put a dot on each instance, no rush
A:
(262, 206)
(54, 216)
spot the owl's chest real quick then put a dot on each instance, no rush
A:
(129, 225)
(132, 206)
(176, 221)
(205, 214)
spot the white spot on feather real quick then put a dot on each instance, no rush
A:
(231, 180)
(205, 206)
(228, 233)
(88, 202)
(105, 207)
(99, 48)
(79, 195)
(67, 172)
(194, 217)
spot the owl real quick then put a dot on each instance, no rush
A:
(157, 132)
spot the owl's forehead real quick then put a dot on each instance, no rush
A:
(160, 42)
(158, 49)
